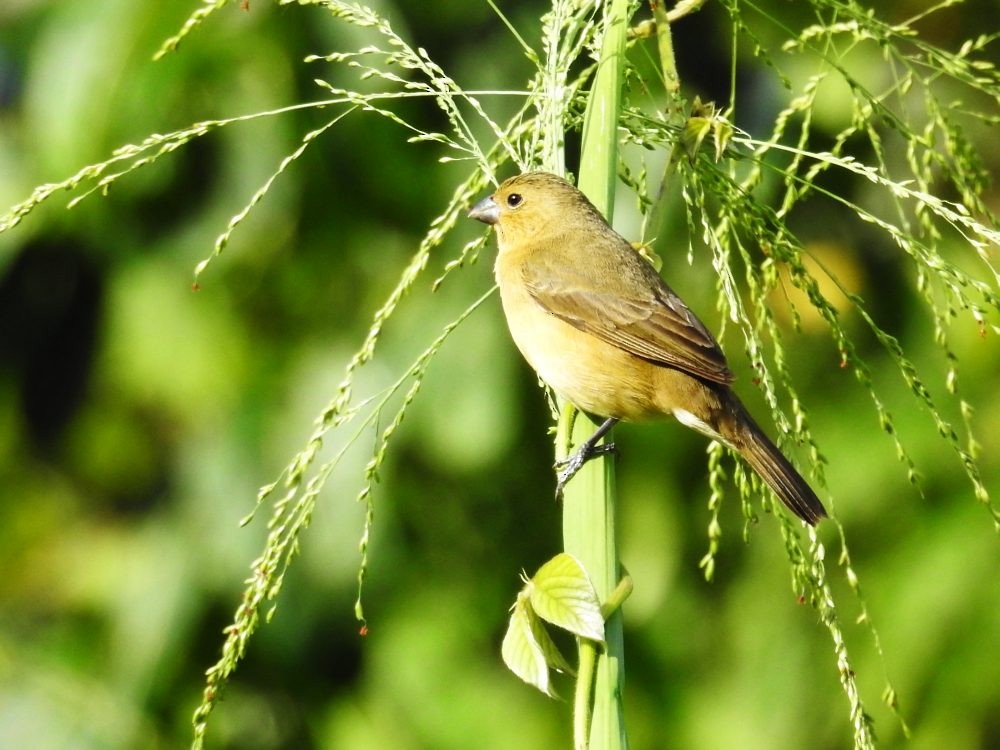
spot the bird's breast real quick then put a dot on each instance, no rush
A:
(592, 374)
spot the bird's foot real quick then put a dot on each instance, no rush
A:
(569, 466)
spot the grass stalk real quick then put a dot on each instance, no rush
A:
(589, 517)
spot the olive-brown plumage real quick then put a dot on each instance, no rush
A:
(601, 327)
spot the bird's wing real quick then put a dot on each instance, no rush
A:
(650, 321)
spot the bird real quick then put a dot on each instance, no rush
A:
(603, 330)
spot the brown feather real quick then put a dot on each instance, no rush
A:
(656, 326)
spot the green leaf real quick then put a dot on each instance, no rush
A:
(561, 593)
(553, 656)
(521, 650)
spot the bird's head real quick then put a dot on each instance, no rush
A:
(532, 204)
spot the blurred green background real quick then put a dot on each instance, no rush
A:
(138, 418)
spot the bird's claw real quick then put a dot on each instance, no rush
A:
(569, 466)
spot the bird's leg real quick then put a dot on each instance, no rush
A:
(569, 466)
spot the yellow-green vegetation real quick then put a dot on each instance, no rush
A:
(277, 314)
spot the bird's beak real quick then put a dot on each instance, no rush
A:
(486, 211)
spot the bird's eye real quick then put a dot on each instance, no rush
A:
(514, 200)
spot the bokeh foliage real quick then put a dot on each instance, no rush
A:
(137, 420)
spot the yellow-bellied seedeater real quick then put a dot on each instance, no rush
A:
(604, 331)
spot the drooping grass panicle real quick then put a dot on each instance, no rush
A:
(716, 478)
(302, 482)
(923, 219)
(821, 597)
(733, 226)
(208, 7)
(223, 239)
(933, 268)
(728, 210)
(99, 177)
(764, 227)
(435, 81)
(293, 512)
(864, 618)
(568, 29)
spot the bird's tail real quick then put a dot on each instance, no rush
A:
(765, 459)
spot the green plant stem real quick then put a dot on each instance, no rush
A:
(672, 84)
(582, 693)
(589, 500)
(622, 592)
(665, 45)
